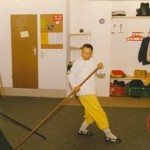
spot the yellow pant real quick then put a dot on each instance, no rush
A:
(94, 111)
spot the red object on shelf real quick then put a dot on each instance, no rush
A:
(117, 73)
(117, 91)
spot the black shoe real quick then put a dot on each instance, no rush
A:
(88, 133)
(117, 140)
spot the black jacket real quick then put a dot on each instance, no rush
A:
(142, 56)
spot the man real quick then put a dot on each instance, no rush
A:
(81, 68)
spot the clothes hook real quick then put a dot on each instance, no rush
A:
(120, 29)
(113, 30)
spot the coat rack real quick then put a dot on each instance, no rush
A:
(135, 37)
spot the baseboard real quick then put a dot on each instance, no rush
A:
(35, 92)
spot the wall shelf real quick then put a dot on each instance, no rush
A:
(130, 17)
(126, 89)
(78, 39)
(127, 78)
(80, 34)
(75, 48)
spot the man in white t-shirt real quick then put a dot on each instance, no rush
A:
(81, 68)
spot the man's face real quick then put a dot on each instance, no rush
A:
(86, 53)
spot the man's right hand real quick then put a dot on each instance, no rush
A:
(76, 89)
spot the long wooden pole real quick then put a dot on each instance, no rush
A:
(54, 110)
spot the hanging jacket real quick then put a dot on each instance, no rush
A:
(142, 55)
(148, 52)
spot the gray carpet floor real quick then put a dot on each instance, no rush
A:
(61, 130)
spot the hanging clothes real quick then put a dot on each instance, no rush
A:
(148, 52)
(142, 55)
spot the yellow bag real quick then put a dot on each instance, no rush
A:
(140, 73)
(147, 80)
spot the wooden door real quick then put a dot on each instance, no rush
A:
(24, 51)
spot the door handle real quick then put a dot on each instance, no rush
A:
(35, 51)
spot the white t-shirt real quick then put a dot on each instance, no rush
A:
(80, 70)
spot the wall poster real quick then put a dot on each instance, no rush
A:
(51, 31)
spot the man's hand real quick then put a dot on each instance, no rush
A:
(100, 65)
(76, 89)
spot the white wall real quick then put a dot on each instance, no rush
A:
(124, 54)
(86, 15)
(52, 62)
(112, 50)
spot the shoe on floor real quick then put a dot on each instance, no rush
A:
(112, 140)
(88, 133)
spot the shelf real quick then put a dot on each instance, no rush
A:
(130, 17)
(80, 34)
(127, 78)
(75, 48)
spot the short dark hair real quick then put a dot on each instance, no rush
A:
(88, 46)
